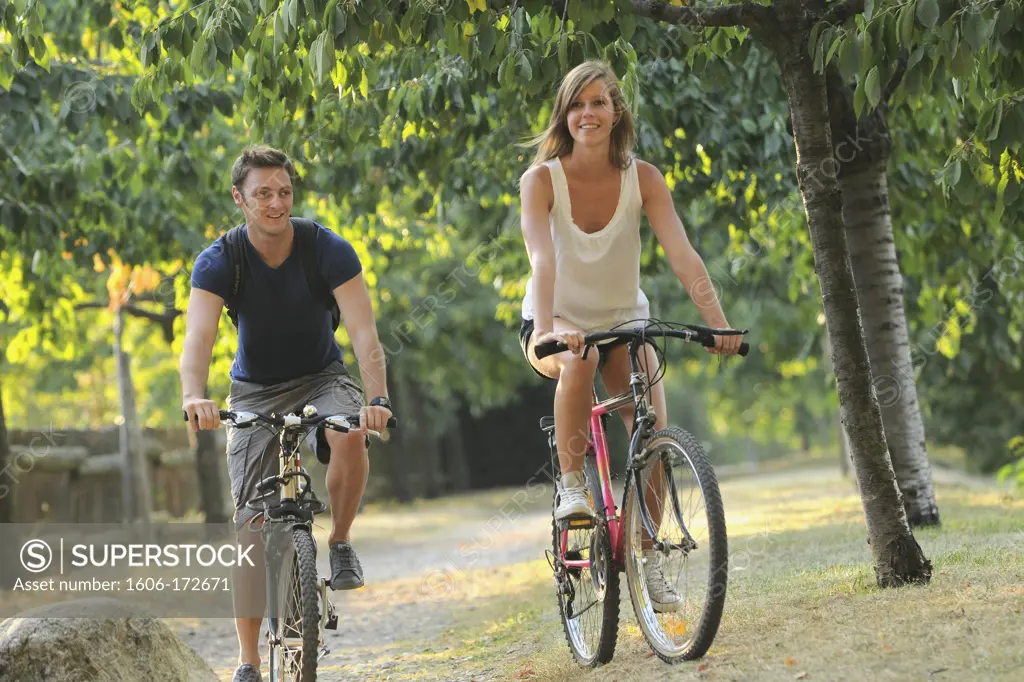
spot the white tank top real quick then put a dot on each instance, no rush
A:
(597, 276)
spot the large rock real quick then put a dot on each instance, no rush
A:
(95, 639)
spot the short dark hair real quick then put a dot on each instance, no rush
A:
(259, 156)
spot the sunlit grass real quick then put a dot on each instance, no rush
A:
(803, 599)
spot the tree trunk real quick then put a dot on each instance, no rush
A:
(6, 482)
(9, 563)
(137, 501)
(843, 443)
(401, 449)
(863, 148)
(898, 558)
(845, 456)
(455, 455)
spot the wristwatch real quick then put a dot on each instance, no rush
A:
(381, 401)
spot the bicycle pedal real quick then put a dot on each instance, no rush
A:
(576, 524)
(332, 622)
(323, 652)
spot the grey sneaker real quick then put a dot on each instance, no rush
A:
(346, 572)
(247, 673)
(664, 597)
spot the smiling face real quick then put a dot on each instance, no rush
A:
(591, 116)
(266, 199)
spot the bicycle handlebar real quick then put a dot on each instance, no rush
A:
(702, 335)
(335, 422)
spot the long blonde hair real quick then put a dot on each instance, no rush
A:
(556, 140)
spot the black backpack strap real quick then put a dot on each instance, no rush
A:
(306, 232)
(234, 249)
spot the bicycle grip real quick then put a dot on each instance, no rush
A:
(543, 350)
(707, 340)
(224, 414)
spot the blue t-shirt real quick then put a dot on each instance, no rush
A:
(284, 332)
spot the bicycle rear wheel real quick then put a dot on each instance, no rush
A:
(684, 506)
(295, 632)
(588, 597)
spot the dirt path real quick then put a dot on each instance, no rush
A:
(418, 562)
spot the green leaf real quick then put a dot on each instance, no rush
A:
(6, 73)
(720, 44)
(485, 40)
(819, 52)
(525, 70)
(340, 21)
(859, 99)
(848, 55)
(198, 55)
(563, 51)
(962, 65)
(915, 57)
(293, 13)
(1004, 20)
(503, 70)
(210, 58)
(873, 88)
(836, 44)
(996, 121)
(866, 54)
(627, 26)
(951, 175)
(812, 40)
(906, 23)
(977, 30)
(224, 43)
(323, 52)
(280, 31)
(928, 12)
(869, 9)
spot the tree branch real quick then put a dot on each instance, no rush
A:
(842, 11)
(165, 319)
(740, 14)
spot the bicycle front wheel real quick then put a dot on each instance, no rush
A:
(678, 575)
(295, 633)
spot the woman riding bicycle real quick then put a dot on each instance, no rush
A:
(581, 203)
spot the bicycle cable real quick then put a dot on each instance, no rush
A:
(659, 352)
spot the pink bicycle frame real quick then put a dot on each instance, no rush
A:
(600, 444)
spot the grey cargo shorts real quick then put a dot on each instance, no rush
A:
(253, 452)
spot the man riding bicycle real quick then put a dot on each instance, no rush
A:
(280, 279)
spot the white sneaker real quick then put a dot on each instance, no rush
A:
(573, 502)
(664, 597)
